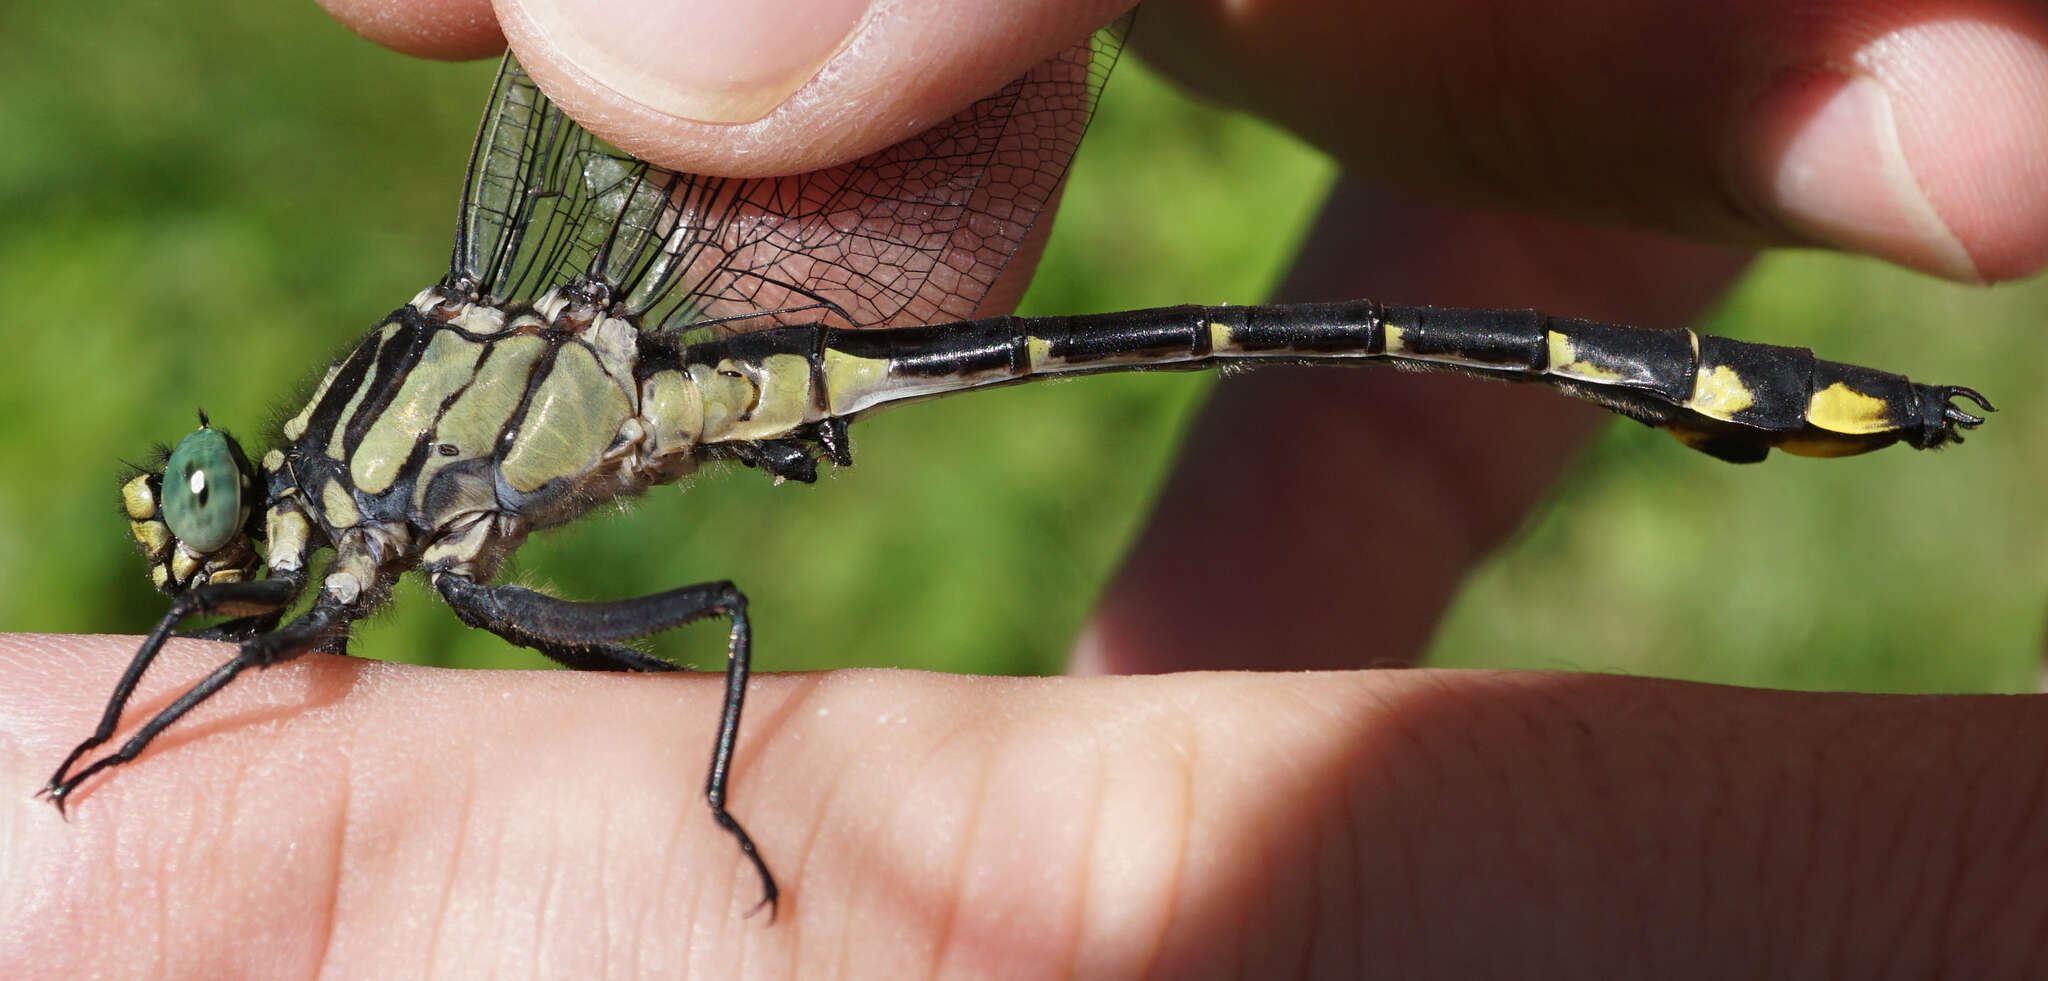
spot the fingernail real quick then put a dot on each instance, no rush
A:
(1844, 179)
(712, 61)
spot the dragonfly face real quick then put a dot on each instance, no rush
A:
(192, 518)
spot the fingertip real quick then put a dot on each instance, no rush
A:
(699, 60)
(1926, 149)
(445, 30)
(751, 90)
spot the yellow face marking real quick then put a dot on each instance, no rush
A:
(575, 413)
(1839, 408)
(1565, 362)
(159, 576)
(339, 506)
(226, 575)
(853, 384)
(448, 362)
(137, 500)
(154, 536)
(184, 565)
(1720, 394)
(273, 461)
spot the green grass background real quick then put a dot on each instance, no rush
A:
(201, 203)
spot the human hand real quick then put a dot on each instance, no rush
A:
(1910, 132)
(1366, 719)
(1604, 161)
(362, 819)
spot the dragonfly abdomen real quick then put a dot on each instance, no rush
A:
(1732, 399)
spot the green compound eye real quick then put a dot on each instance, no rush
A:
(203, 491)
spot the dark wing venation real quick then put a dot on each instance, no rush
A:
(914, 233)
(513, 204)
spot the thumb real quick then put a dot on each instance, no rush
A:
(746, 90)
(785, 87)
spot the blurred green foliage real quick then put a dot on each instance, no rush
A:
(201, 204)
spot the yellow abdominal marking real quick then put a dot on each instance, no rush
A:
(784, 398)
(1720, 394)
(1039, 352)
(851, 383)
(1839, 408)
(728, 396)
(1565, 362)
(1219, 338)
(673, 410)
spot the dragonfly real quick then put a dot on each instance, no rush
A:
(606, 326)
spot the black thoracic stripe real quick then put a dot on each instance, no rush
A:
(1779, 379)
(395, 503)
(542, 367)
(320, 425)
(395, 361)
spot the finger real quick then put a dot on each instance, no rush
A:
(363, 819)
(1323, 518)
(1004, 194)
(747, 89)
(782, 88)
(451, 30)
(1912, 131)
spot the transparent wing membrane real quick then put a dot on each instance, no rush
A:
(913, 234)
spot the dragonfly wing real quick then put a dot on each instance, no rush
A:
(914, 233)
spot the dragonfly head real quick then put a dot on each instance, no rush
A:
(193, 516)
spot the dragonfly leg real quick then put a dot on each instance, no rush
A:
(236, 630)
(582, 635)
(295, 638)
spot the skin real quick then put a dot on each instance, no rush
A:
(367, 819)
